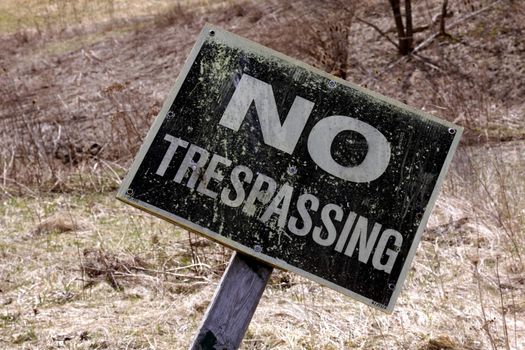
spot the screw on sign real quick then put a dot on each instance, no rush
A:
(292, 168)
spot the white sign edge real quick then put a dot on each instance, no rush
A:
(243, 43)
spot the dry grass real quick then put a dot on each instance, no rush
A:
(65, 105)
(123, 278)
(64, 15)
(81, 271)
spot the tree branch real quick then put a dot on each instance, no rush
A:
(377, 29)
(431, 38)
(408, 23)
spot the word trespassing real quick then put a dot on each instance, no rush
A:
(199, 168)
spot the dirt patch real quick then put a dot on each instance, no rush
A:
(99, 265)
(57, 223)
(441, 343)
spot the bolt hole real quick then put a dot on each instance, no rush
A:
(129, 192)
(451, 131)
(212, 32)
(331, 84)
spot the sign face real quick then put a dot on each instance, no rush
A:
(297, 168)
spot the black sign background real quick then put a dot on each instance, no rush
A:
(397, 199)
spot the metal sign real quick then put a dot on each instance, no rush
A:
(300, 169)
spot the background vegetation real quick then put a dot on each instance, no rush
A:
(80, 83)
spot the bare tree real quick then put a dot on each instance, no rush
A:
(444, 13)
(405, 32)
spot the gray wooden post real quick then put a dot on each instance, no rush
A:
(233, 304)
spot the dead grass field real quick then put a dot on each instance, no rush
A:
(80, 83)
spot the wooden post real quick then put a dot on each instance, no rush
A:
(233, 304)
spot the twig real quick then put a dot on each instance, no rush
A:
(442, 20)
(431, 38)
(29, 190)
(428, 62)
(483, 313)
(505, 330)
(117, 177)
(8, 165)
(427, 41)
(180, 275)
(377, 29)
(189, 267)
(514, 308)
(378, 325)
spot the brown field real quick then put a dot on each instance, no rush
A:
(80, 83)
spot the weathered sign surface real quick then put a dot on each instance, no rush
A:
(300, 169)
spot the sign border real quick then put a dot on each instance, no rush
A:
(242, 43)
